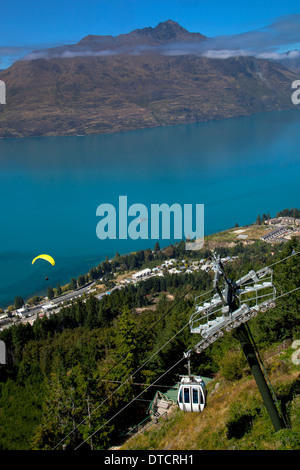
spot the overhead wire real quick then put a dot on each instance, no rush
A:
(135, 398)
(128, 404)
(148, 360)
(286, 293)
(281, 260)
(122, 358)
(123, 383)
(142, 385)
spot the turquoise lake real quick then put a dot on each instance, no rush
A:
(50, 188)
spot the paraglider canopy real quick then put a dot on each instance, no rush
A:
(45, 257)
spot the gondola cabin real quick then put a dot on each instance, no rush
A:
(192, 394)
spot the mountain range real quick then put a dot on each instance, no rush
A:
(292, 62)
(147, 78)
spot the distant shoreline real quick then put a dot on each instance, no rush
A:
(158, 126)
(227, 237)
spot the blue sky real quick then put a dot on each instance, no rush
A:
(26, 25)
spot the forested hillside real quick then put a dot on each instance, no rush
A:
(59, 386)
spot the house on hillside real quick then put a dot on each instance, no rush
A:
(275, 235)
(143, 273)
(283, 220)
(162, 401)
(160, 404)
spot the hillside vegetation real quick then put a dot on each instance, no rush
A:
(62, 380)
(235, 417)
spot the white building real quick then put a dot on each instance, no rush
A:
(21, 311)
(139, 274)
(47, 307)
(174, 271)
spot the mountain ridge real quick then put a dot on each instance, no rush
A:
(92, 88)
(165, 33)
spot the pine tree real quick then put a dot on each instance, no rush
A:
(58, 290)
(156, 247)
(81, 280)
(128, 344)
(73, 284)
(50, 293)
(19, 302)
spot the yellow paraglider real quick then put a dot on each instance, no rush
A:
(45, 257)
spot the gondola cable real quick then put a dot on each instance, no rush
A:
(293, 254)
(122, 358)
(123, 383)
(151, 384)
(128, 404)
(280, 261)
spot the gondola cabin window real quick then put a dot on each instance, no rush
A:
(195, 396)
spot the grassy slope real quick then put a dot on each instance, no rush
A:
(235, 417)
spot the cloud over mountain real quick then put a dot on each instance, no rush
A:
(170, 39)
(147, 78)
(264, 43)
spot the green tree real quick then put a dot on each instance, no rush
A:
(81, 280)
(58, 290)
(20, 335)
(72, 413)
(56, 422)
(73, 284)
(232, 365)
(50, 293)
(129, 343)
(19, 302)
(93, 274)
(157, 247)
(283, 321)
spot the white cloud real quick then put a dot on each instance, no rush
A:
(265, 43)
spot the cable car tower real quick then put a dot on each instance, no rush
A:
(229, 306)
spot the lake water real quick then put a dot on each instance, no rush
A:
(50, 188)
